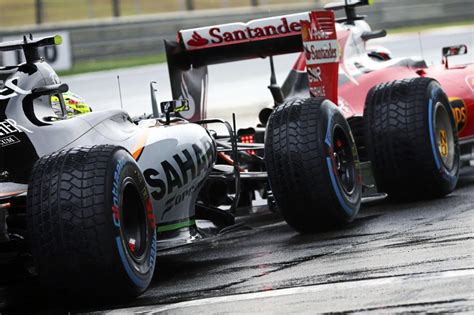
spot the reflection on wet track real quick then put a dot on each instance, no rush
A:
(393, 258)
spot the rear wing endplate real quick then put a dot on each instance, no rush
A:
(322, 54)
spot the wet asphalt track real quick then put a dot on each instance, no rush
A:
(414, 257)
(393, 258)
(411, 257)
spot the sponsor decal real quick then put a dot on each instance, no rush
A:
(314, 74)
(235, 33)
(179, 183)
(197, 40)
(116, 192)
(443, 143)
(132, 244)
(319, 34)
(6, 141)
(10, 126)
(459, 112)
(317, 91)
(151, 261)
(324, 51)
(321, 52)
(176, 200)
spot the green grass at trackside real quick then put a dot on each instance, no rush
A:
(92, 66)
(419, 28)
(100, 65)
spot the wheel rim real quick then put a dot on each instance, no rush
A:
(343, 159)
(444, 135)
(134, 227)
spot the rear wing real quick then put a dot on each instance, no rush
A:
(195, 49)
(238, 41)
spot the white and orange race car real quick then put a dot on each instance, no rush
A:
(94, 196)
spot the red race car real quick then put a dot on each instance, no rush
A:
(407, 119)
(348, 124)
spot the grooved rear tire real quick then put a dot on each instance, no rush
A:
(91, 223)
(312, 165)
(403, 137)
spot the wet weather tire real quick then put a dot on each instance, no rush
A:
(312, 165)
(411, 139)
(91, 223)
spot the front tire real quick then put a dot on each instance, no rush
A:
(91, 223)
(412, 139)
(312, 165)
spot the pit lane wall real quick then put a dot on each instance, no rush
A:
(143, 36)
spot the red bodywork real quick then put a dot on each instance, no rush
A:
(355, 80)
(358, 73)
(321, 51)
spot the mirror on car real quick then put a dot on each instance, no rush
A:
(175, 106)
(454, 50)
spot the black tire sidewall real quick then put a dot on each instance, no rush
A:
(137, 274)
(401, 139)
(300, 165)
(449, 177)
(332, 118)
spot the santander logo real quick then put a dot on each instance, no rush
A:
(320, 40)
(197, 40)
(235, 33)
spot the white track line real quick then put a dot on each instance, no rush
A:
(298, 290)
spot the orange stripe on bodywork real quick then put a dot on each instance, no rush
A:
(140, 145)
